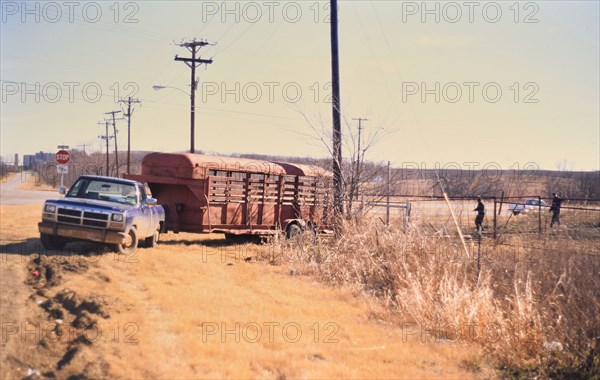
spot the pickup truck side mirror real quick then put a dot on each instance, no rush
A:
(62, 190)
(151, 201)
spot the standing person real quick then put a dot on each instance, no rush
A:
(555, 209)
(480, 214)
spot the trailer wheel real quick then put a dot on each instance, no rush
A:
(244, 238)
(130, 244)
(232, 238)
(293, 230)
(50, 242)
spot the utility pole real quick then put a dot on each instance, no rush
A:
(338, 203)
(83, 146)
(193, 46)
(129, 102)
(358, 154)
(106, 137)
(115, 136)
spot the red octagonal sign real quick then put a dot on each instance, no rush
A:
(62, 157)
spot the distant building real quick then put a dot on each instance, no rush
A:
(31, 160)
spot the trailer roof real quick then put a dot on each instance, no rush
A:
(201, 161)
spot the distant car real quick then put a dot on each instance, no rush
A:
(529, 204)
(103, 210)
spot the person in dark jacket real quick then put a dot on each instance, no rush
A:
(480, 214)
(555, 209)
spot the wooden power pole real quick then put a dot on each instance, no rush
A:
(129, 102)
(114, 123)
(106, 137)
(193, 46)
(338, 190)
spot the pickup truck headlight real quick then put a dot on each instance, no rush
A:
(50, 208)
(117, 217)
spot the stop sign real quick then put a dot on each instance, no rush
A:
(62, 157)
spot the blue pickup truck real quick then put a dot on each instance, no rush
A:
(104, 210)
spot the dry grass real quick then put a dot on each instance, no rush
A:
(532, 303)
(170, 299)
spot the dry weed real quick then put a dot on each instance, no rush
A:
(533, 303)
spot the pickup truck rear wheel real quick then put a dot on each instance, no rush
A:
(152, 241)
(50, 242)
(130, 244)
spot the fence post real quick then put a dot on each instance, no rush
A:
(389, 189)
(539, 214)
(495, 220)
(407, 216)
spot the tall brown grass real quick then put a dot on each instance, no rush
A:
(532, 303)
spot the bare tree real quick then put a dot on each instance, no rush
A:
(357, 175)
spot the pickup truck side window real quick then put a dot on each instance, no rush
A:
(142, 193)
(77, 190)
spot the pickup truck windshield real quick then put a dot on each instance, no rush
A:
(103, 190)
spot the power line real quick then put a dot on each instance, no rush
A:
(83, 146)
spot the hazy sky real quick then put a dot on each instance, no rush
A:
(476, 84)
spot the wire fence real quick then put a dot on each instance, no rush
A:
(503, 215)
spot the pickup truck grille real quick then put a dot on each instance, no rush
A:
(91, 219)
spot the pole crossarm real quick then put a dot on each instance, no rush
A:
(199, 61)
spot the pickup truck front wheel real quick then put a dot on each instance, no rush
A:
(128, 246)
(50, 242)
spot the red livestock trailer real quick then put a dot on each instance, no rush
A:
(237, 196)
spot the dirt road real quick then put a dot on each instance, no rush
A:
(195, 308)
(10, 194)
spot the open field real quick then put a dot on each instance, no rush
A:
(434, 217)
(197, 308)
(530, 301)
(378, 302)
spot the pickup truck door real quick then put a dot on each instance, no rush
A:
(146, 217)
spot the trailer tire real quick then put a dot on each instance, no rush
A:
(293, 230)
